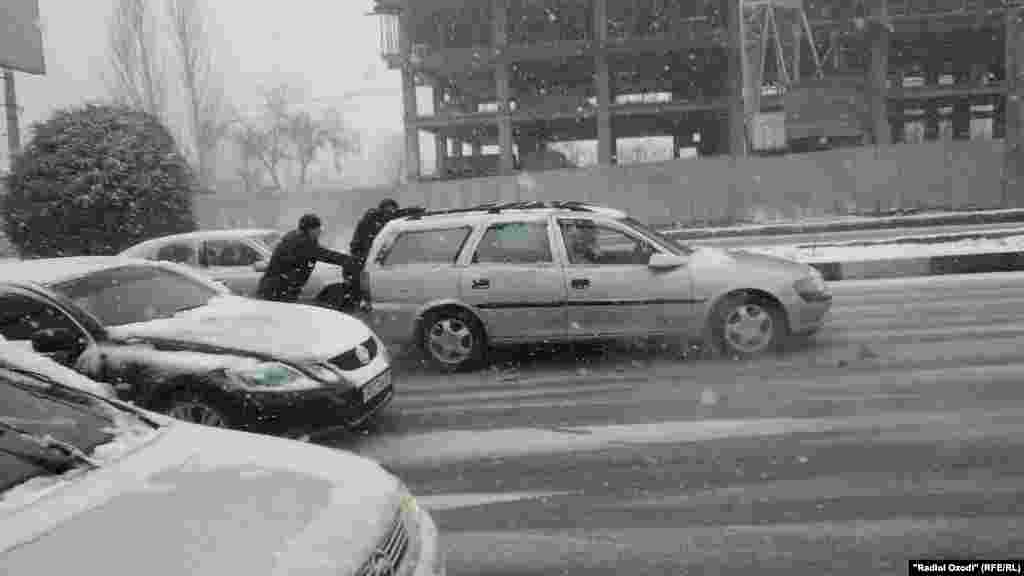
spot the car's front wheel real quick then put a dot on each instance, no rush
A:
(192, 407)
(453, 340)
(745, 326)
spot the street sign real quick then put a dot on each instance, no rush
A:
(21, 37)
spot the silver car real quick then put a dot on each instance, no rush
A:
(458, 281)
(237, 259)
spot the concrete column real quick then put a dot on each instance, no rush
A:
(499, 20)
(1014, 154)
(962, 119)
(409, 112)
(798, 39)
(440, 152)
(737, 131)
(879, 73)
(440, 138)
(603, 87)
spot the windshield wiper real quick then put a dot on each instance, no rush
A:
(72, 452)
(187, 308)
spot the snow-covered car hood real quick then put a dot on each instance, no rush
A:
(208, 502)
(286, 331)
(745, 260)
(21, 354)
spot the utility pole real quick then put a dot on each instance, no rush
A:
(1013, 178)
(11, 103)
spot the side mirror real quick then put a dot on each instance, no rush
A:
(54, 340)
(660, 261)
(260, 266)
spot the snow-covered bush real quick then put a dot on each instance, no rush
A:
(95, 180)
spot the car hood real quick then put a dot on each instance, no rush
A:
(281, 330)
(745, 260)
(207, 502)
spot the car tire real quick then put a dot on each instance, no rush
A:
(747, 326)
(192, 406)
(453, 340)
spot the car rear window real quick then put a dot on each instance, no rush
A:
(438, 246)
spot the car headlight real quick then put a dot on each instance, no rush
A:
(811, 286)
(274, 377)
(323, 373)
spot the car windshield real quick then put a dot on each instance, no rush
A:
(133, 294)
(672, 245)
(49, 429)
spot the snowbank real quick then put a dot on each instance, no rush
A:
(860, 221)
(812, 254)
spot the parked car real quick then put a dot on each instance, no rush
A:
(458, 281)
(173, 341)
(90, 485)
(237, 258)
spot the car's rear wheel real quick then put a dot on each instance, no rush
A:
(192, 407)
(746, 326)
(453, 340)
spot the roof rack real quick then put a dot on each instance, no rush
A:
(497, 208)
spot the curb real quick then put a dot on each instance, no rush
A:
(929, 266)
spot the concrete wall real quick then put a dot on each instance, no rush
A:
(950, 174)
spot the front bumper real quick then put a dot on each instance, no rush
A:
(309, 412)
(807, 317)
(430, 560)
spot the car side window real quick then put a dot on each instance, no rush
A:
(229, 253)
(21, 317)
(592, 243)
(514, 243)
(178, 252)
(439, 246)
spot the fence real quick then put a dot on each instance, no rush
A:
(958, 174)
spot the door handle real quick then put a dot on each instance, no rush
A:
(481, 284)
(580, 283)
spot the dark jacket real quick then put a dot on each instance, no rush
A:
(292, 264)
(369, 226)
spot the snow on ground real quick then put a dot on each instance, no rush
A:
(940, 238)
(860, 253)
(825, 220)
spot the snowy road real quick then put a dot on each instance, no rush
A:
(896, 433)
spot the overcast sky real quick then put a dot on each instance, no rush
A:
(327, 48)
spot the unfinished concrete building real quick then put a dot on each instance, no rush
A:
(511, 78)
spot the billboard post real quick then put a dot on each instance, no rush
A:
(21, 49)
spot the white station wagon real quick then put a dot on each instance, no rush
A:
(457, 281)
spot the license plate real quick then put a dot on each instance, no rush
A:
(376, 386)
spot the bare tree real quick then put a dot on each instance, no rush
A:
(137, 77)
(284, 135)
(249, 141)
(203, 94)
(310, 136)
